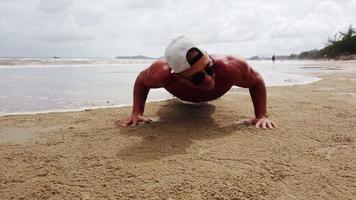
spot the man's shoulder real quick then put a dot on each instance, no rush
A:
(232, 68)
(235, 60)
(159, 71)
(231, 62)
(160, 64)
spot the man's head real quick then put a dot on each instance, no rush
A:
(188, 60)
(176, 53)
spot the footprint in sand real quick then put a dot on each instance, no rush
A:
(327, 152)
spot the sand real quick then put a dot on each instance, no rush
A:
(190, 151)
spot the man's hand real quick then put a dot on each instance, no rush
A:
(262, 122)
(133, 120)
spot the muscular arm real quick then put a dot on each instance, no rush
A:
(153, 77)
(259, 97)
(140, 93)
(246, 77)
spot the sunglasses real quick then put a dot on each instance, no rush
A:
(199, 77)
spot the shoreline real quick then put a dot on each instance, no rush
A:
(309, 77)
(86, 109)
(83, 109)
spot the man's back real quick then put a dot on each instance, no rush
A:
(226, 72)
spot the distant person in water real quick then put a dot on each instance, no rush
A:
(191, 74)
(273, 58)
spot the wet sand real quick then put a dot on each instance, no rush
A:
(191, 151)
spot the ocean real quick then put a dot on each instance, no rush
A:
(35, 85)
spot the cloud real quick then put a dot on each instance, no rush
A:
(144, 4)
(112, 27)
(54, 6)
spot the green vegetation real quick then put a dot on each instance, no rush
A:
(341, 45)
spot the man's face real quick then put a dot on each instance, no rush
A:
(201, 74)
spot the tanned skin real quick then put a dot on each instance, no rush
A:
(229, 71)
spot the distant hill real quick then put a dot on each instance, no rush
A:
(259, 58)
(254, 58)
(134, 57)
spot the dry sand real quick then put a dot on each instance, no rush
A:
(193, 151)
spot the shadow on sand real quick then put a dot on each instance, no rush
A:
(179, 125)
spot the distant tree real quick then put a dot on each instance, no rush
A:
(293, 56)
(312, 54)
(343, 43)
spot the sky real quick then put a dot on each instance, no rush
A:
(108, 28)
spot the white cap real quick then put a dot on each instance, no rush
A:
(176, 53)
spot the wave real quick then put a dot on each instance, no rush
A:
(6, 63)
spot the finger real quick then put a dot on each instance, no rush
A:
(144, 119)
(264, 124)
(274, 125)
(147, 120)
(251, 122)
(134, 122)
(258, 123)
(126, 123)
(248, 122)
(269, 125)
(122, 122)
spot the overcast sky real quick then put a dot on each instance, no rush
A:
(107, 28)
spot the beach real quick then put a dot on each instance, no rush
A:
(190, 151)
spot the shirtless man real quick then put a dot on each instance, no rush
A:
(190, 74)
